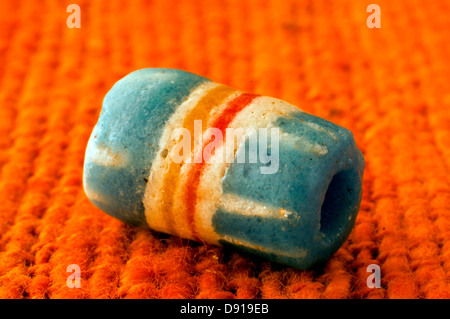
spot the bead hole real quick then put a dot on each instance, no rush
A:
(338, 204)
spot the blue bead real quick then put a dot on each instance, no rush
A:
(299, 214)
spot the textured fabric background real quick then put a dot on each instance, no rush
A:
(390, 86)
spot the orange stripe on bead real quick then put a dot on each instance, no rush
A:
(201, 111)
(196, 169)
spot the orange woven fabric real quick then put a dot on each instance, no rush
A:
(390, 86)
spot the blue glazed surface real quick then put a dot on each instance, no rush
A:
(133, 115)
(323, 191)
(318, 179)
